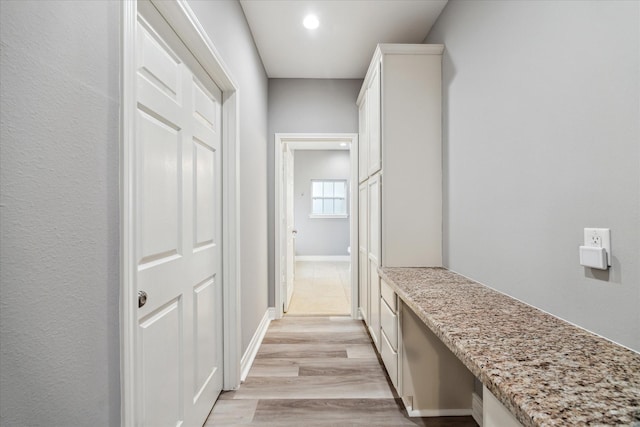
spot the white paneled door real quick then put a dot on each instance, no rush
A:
(178, 232)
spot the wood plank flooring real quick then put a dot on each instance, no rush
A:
(318, 371)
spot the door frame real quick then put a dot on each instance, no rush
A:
(184, 22)
(304, 139)
(288, 164)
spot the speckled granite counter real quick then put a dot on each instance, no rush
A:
(544, 370)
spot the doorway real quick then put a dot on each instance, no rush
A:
(179, 204)
(316, 224)
(322, 288)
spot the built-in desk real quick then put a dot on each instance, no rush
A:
(545, 371)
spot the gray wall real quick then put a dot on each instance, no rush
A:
(319, 236)
(306, 106)
(59, 245)
(59, 273)
(541, 139)
(225, 23)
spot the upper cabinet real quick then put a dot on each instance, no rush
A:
(400, 113)
(363, 140)
(373, 110)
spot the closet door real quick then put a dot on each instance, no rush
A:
(374, 124)
(178, 230)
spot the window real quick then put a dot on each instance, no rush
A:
(328, 198)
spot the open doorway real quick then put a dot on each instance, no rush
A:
(316, 224)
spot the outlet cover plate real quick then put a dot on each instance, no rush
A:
(599, 238)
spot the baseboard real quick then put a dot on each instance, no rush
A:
(476, 406)
(439, 412)
(250, 354)
(433, 412)
(323, 258)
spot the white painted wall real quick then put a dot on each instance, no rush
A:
(225, 24)
(59, 244)
(306, 106)
(542, 139)
(319, 236)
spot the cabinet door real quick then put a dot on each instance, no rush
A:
(389, 358)
(373, 185)
(363, 251)
(374, 124)
(374, 304)
(363, 140)
(374, 219)
(388, 322)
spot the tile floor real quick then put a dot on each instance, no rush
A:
(317, 371)
(321, 288)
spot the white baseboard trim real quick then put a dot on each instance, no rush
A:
(323, 258)
(250, 354)
(408, 401)
(439, 412)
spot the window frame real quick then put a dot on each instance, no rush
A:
(333, 215)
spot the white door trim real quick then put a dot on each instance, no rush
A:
(184, 22)
(305, 139)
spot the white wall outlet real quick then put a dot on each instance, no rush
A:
(599, 238)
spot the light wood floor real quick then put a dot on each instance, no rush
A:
(317, 371)
(321, 288)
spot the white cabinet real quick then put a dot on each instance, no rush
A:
(363, 250)
(373, 196)
(411, 158)
(373, 122)
(402, 97)
(400, 166)
(374, 185)
(390, 359)
(389, 315)
(390, 333)
(363, 141)
(374, 304)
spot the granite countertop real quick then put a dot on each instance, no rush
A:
(546, 371)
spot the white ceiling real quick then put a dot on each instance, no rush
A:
(342, 47)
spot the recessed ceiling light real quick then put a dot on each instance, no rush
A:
(311, 22)
(343, 144)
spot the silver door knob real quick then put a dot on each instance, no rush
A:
(294, 232)
(142, 298)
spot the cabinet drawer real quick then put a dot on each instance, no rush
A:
(389, 296)
(389, 324)
(390, 360)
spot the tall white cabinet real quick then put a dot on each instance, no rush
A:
(400, 173)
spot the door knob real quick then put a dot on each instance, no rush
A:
(294, 232)
(142, 298)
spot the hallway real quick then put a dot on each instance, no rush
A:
(317, 371)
